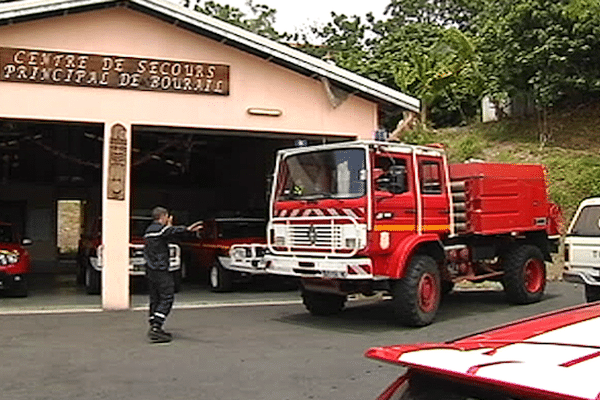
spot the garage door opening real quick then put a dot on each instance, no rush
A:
(51, 177)
(205, 175)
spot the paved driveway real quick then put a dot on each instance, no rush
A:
(231, 352)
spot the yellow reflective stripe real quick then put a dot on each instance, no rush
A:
(398, 228)
(410, 228)
(216, 246)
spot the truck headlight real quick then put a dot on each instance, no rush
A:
(279, 240)
(350, 243)
(239, 253)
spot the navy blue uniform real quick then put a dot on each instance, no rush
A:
(161, 286)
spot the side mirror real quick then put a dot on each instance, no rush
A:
(394, 181)
(26, 242)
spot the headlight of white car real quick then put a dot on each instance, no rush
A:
(239, 253)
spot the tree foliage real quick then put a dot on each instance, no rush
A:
(449, 53)
(260, 21)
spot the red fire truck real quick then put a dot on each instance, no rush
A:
(369, 217)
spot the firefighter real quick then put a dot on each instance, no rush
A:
(160, 281)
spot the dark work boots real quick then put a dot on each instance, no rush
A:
(157, 335)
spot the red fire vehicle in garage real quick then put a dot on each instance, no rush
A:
(15, 261)
(368, 217)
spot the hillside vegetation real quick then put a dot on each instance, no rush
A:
(571, 152)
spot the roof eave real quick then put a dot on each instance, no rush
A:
(224, 32)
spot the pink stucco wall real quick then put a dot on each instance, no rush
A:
(254, 82)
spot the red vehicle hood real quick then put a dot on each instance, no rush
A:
(137, 240)
(11, 247)
(554, 355)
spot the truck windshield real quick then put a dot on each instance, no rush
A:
(588, 222)
(6, 234)
(241, 229)
(336, 173)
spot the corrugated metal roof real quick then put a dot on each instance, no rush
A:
(18, 11)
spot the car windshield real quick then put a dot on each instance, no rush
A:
(138, 226)
(588, 222)
(336, 173)
(241, 229)
(6, 234)
(423, 387)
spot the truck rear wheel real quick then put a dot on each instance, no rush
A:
(318, 303)
(524, 278)
(416, 297)
(592, 293)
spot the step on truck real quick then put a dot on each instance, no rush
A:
(369, 217)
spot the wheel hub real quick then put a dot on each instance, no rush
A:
(428, 293)
(534, 275)
(214, 277)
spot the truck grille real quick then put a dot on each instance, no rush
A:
(316, 236)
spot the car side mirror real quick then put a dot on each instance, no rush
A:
(394, 181)
(26, 242)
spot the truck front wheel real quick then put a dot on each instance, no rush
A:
(220, 279)
(318, 303)
(524, 278)
(592, 293)
(416, 297)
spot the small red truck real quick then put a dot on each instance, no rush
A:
(15, 261)
(368, 217)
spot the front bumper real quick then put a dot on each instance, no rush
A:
(248, 258)
(10, 280)
(586, 276)
(137, 262)
(329, 268)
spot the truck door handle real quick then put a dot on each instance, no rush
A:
(444, 212)
(410, 211)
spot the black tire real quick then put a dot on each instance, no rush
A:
(592, 293)
(524, 277)
(19, 288)
(79, 274)
(219, 278)
(318, 303)
(92, 281)
(184, 269)
(417, 296)
(177, 278)
(447, 287)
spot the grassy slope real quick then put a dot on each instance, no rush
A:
(571, 154)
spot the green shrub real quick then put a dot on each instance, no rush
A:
(468, 147)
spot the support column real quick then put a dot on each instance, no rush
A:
(115, 215)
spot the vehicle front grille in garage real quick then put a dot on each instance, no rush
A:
(316, 236)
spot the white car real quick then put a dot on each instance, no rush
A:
(554, 356)
(582, 248)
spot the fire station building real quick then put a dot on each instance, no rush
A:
(122, 105)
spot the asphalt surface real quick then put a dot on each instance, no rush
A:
(229, 349)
